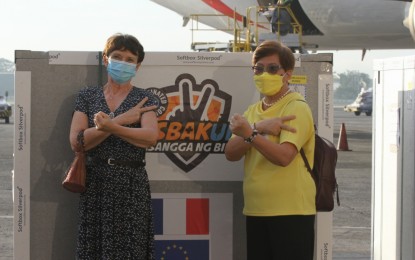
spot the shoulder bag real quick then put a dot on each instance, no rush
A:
(75, 175)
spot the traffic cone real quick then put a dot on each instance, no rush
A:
(342, 144)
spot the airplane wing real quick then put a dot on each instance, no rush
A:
(326, 24)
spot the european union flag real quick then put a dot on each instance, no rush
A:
(182, 249)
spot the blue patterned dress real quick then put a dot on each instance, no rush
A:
(115, 210)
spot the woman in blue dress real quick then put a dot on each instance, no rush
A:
(115, 216)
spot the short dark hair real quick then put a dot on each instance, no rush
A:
(268, 48)
(123, 42)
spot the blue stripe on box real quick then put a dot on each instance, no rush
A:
(182, 249)
(158, 216)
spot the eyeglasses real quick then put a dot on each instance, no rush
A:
(119, 57)
(271, 69)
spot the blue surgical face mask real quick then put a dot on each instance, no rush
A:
(121, 71)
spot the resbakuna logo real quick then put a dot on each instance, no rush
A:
(193, 121)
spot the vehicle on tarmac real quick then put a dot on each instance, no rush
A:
(5, 110)
(362, 104)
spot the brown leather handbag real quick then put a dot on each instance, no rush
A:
(76, 173)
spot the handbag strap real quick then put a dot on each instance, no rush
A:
(308, 165)
(302, 150)
(306, 161)
(80, 139)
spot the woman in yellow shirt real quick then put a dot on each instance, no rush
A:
(279, 192)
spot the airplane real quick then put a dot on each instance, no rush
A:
(326, 24)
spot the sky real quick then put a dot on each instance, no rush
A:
(84, 25)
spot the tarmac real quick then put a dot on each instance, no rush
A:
(351, 220)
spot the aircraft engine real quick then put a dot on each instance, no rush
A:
(409, 21)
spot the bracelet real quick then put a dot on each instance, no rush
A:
(251, 138)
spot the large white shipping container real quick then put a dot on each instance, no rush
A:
(393, 160)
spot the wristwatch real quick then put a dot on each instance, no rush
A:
(251, 138)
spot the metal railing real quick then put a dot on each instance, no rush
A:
(231, 26)
(246, 33)
(253, 27)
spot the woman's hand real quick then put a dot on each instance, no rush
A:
(134, 114)
(102, 121)
(240, 126)
(273, 126)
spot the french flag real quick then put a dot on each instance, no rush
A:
(181, 216)
(193, 226)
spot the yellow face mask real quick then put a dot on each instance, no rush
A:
(268, 84)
